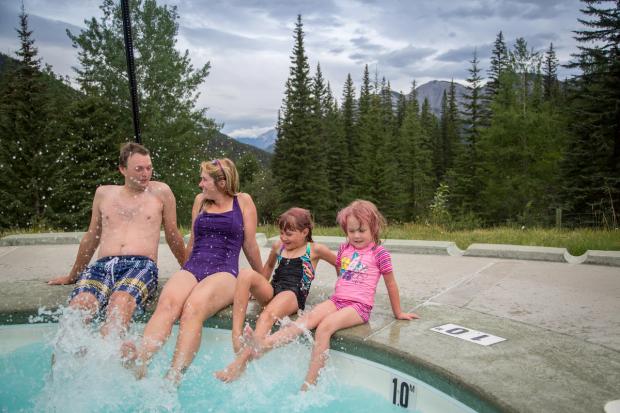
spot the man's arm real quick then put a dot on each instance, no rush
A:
(250, 246)
(171, 231)
(88, 244)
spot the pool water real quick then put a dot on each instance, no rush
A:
(87, 376)
(95, 381)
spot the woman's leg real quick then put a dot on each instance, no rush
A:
(281, 305)
(158, 328)
(208, 297)
(343, 318)
(248, 281)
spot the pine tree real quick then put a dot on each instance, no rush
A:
(89, 158)
(361, 156)
(423, 159)
(591, 168)
(320, 140)
(519, 151)
(410, 133)
(499, 62)
(550, 71)
(349, 129)
(28, 143)
(464, 179)
(167, 87)
(449, 130)
(293, 163)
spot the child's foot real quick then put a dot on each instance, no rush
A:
(306, 386)
(232, 372)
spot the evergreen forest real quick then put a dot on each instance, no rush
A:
(522, 148)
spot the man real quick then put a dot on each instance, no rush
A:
(125, 225)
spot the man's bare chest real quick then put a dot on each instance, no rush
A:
(120, 211)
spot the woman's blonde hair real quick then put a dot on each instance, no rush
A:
(223, 169)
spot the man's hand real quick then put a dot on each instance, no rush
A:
(63, 280)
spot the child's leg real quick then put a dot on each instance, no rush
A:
(308, 321)
(248, 281)
(281, 305)
(344, 318)
(158, 328)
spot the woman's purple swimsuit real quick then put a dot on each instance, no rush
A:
(217, 242)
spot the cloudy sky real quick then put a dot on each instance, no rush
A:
(248, 42)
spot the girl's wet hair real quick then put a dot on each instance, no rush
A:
(366, 213)
(296, 219)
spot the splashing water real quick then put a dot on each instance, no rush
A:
(87, 375)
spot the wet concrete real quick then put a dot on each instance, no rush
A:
(560, 322)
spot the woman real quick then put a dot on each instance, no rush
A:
(223, 221)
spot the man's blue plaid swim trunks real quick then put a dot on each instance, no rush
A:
(134, 274)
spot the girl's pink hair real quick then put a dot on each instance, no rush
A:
(296, 219)
(365, 212)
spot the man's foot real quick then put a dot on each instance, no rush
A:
(129, 354)
(129, 360)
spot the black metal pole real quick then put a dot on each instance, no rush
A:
(131, 69)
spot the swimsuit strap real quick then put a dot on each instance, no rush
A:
(307, 268)
(279, 257)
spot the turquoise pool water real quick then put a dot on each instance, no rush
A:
(94, 380)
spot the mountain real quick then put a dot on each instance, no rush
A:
(432, 90)
(264, 141)
(223, 145)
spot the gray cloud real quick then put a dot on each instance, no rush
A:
(465, 53)
(365, 44)
(406, 56)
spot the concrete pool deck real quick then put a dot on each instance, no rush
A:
(561, 322)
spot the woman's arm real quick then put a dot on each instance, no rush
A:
(270, 264)
(250, 246)
(392, 289)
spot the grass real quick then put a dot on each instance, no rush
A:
(576, 241)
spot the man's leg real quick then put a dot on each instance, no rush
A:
(87, 303)
(121, 307)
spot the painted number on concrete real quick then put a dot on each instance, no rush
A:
(403, 394)
(468, 334)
